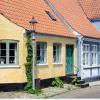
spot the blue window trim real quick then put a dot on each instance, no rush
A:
(91, 43)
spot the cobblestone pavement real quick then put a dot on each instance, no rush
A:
(47, 92)
(16, 95)
(90, 92)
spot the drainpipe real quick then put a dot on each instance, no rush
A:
(79, 57)
(33, 37)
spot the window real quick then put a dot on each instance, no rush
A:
(8, 53)
(85, 54)
(94, 55)
(41, 53)
(51, 16)
(56, 53)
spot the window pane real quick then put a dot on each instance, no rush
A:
(57, 53)
(2, 60)
(41, 53)
(12, 45)
(12, 53)
(12, 60)
(2, 45)
(94, 55)
(83, 58)
(85, 54)
(2, 52)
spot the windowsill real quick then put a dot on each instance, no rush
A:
(9, 66)
(93, 66)
(57, 63)
(41, 64)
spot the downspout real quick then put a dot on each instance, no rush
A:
(79, 55)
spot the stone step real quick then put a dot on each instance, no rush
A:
(81, 82)
(84, 85)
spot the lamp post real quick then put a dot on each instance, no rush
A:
(33, 37)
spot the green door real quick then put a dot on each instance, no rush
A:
(69, 60)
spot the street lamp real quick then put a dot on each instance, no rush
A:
(33, 24)
(32, 31)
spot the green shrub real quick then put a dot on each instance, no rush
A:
(37, 91)
(75, 81)
(57, 82)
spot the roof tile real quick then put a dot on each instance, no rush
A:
(91, 8)
(21, 12)
(75, 16)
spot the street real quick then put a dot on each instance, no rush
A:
(90, 92)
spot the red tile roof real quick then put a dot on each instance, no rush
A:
(21, 12)
(91, 8)
(75, 16)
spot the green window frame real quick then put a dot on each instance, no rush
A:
(41, 52)
(57, 53)
(8, 52)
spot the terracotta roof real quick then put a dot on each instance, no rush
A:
(21, 12)
(74, 15)
(91, 8)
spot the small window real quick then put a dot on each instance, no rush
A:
(41, 53)
(56, 53)
(8, 53)
(51, 15)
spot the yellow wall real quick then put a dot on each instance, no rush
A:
(10, 31)
(50, 70)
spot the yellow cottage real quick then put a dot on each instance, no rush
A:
(55, 42)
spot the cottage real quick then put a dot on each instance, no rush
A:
(55, 45)
(83, 17)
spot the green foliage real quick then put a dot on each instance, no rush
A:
(75, 81)
(57, 82)
(37, 91)
(76, 69)
(28, 66)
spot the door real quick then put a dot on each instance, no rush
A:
(69, 60)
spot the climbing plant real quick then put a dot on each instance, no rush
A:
(28, 65)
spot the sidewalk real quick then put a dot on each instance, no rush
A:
(52, 91)
(94, 83)
(46, 92)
